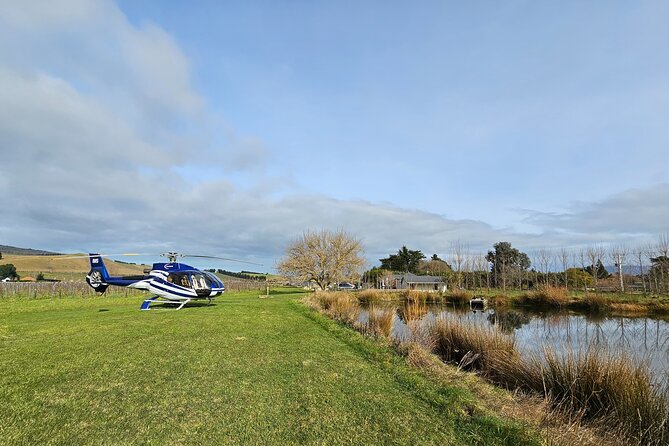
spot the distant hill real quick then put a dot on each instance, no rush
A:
(628, 269)
(53, 267)
(5, 249)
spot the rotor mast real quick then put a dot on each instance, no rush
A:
(172, 256)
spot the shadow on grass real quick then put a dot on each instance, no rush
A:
(173, 306)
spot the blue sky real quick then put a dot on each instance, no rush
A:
(541, 123)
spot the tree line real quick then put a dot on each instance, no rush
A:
(634, 269)
(242, 275)
(326, 257)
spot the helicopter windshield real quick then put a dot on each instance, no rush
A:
(213, 280)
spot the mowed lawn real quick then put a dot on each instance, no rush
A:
(242, 371)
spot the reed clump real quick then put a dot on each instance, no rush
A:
(597, 385)
(340, 306)
(371, 296)
(379, 323)
(459, 297)
(412, 311)
(546, 296)
(472, 347)
(417, 296)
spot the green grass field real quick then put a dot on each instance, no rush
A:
(242, 371)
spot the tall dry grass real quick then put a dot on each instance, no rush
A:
(413, 296)
(459, 297)
(372, 296)
(379, 323)
(546, 296)
(596, 385)
(340, 306)
(473, 347)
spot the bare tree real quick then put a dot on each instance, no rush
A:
(564, 258)
(639, 254)
(650, 252)
(536, 261)
(459, 254)
(663, 251)
(323, 257)
(582, 254)
(553, 260)
(618, 255)
(481, 266)
(544, 259)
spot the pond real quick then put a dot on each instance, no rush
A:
(642, 338)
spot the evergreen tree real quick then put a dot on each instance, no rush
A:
(600, 271)
(8, 270)
(406, 260)
(506, 262)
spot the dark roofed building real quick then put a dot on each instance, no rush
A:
(410, 281)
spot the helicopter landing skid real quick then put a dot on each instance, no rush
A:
(157, 299)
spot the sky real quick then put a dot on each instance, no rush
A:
(230, 128)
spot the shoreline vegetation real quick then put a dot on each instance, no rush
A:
(611, 394)
(543, 298)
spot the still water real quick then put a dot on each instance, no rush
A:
(642, 338)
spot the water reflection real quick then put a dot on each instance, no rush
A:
(644, 339)
(509, 320)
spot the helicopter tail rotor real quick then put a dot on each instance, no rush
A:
(98, 275)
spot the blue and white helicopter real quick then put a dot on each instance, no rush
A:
(172, 282)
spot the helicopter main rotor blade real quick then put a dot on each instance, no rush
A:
(85, 256)
(221, 258)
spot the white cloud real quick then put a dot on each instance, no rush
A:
(46, 122)
(634, 211)
(160, 67)
(38, 14)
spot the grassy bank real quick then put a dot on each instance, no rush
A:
(611, 392)
(242, 371)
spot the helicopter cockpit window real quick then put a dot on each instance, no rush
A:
(197, 281)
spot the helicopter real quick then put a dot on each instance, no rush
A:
(171, 282)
